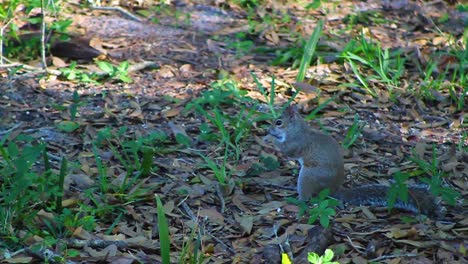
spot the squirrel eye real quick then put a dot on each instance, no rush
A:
(278, 123)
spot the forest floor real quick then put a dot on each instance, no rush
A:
(388, 80)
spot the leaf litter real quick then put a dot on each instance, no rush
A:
(242, 221)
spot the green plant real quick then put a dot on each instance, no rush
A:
(220, 172)
(70, 125)
(270, 99)
(319, 108)
(21, 186)
(119, 73)
(222, 93)
(290, 55)
(232, 129)
(321, 208)
(30, 185)
(385, 66)
(25, 46)
(327, 257)
(309, 51)
(191, 249)
(353, 132)
(163, 227)
(71, 73)
(248, 3)
(315, 4)
(462, 7)
(241, 44)
(364, 17)
(135, 155)
(435, 183)
(458, 87)
(398, 190)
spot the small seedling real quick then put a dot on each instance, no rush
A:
(353, 132)
(327, 257)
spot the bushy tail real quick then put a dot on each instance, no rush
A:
(420, 200)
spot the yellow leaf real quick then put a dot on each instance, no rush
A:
(285, 259)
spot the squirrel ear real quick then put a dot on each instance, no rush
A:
(291, 111)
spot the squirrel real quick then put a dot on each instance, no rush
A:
(322, 166)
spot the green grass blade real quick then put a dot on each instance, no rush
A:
(309, 51)
(164, 240)
(319, 108)
(147, 162)
(63, 172)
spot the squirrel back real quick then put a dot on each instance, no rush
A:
(322, 166)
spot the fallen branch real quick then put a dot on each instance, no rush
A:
(118, 9)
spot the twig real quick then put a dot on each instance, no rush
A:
(118, 9)
(1, 39)
(95, 243)
(188, 211)
(278, 186)
(393, 256)
(11, 129)
(29, 68)
(356, 247)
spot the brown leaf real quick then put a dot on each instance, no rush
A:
(245, 222)
(212, 214)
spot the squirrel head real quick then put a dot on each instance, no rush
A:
(288, 126)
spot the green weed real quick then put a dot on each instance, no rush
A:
(269, 97)
(453, 79)
(135, 155)
(315, 4)
(191, 249)
(318, 208)
(221, 174)
(290, 55)
(364, 17)
(29, 185)
(353, 132)
(231, 129)
(398, 190)
(319, 108)
(435, 182)
(119, 73)
(72, 73)
(25, 47)
(241, 44)
(385, 66)
(327, 258)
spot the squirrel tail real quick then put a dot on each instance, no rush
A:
(420, 200)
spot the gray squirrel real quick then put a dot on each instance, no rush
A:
(322, 166)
